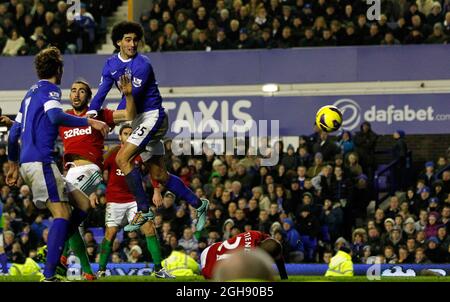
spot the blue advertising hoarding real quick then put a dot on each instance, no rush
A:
(413, 113)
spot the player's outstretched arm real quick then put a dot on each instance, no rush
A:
(58, 117)
(104, 87)
(130, 111)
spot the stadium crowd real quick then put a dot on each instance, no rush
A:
(247, 24)
(314, 196)
(28, 26)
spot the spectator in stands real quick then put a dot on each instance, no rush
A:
(389, 39)
(438, 36)
(264, 223)
(345, 143)
(188, 241)
(292, 237)
(394, 207)
(447, 24)
(374, 37)
(435, 16)
(400, 153)
(420, 256)
(425, 6)
(327, 38)
(428, 174)
(309, 229)
(309, 40)
(434, 252)
(433, 225)
(365, 144)
(13, 44)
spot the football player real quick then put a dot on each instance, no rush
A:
(83, 153)
(36, 126)
(149, 126)
(121, 207)
(246, 241)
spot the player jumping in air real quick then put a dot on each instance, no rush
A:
(121, 207)
(36, 126)
(246, 241)
(83, 154)
(149, 126)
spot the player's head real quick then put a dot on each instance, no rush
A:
(125, 132)
(49, 64)
(272, 247)
(244, 266)
(126, 36)
(80, 95)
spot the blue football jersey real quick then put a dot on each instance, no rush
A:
(38, 134)
(145, 87)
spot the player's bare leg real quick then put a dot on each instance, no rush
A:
(174, 184)
(81, 203)
(133, 177)
(153, 246)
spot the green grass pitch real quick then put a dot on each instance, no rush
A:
(200, 279)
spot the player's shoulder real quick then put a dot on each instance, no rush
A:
(49, 91)
(112, 61)
(143, 61)
(143, 58)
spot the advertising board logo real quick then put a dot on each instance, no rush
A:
(351, 112)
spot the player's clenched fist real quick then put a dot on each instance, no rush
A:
(99, 125)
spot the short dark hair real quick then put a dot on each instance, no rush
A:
(86, 84)
(48, 63)
(123, 28)
(124, 126)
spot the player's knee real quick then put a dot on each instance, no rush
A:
(110, 233)
(60, 210)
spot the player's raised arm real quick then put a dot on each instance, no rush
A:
(104, 87)
(130, 111)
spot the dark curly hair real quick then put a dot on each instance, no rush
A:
(48, 63)
(123, 28)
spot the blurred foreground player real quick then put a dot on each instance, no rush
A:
(247, 242)
(244, 266)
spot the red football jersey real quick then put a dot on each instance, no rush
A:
(85, 141)
(217, 251)
(117, 189)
